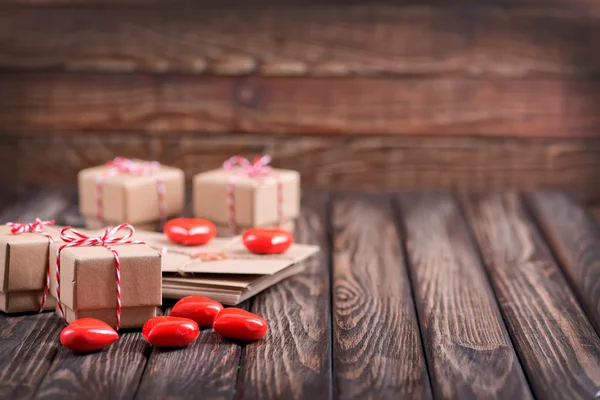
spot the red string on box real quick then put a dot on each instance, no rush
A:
(74, 238)
(36, 227)
(121, 165)
(258, 169)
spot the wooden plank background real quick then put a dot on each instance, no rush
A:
(465, 94)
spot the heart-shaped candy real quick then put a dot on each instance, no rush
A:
(88, 334)
(235, 323)
(170, 331)
(190, 231)
(197, 308)
(267, 240)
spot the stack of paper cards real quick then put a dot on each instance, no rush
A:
(223, 269)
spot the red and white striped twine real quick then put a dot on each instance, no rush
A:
(36, 227)
(74, 238)
(258, 169)
(121, 165)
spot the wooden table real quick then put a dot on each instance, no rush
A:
(426, 295)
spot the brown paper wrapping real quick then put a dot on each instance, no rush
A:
(24, 260)
(255, 198)
(93, 223)
(16, 302)
(131, 198)
(87, 277)
(131, 317)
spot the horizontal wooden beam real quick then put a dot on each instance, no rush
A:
(165, 104)
(389, 162)
(256, 3)
(307, 41)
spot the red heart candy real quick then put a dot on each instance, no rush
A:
(267, 240)
(170, 331)
(197, 308)
(88, 334)
(190, 231)
(235, 323)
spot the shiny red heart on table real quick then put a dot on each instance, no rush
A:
(88, 334)
(267, 240)
(190, 231)
(200, 309)
(235, 323)
(170, 331)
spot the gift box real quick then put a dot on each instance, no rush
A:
(24, 250)
(132, 191)
(246, 194)
(94, 224)
(89, 284)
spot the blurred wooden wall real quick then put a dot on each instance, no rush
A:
(432, 93)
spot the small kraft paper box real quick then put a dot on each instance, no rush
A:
(24, 250)
(135, 191)
(88, 278)
(246, 194)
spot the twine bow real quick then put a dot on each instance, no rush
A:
(17, 228)
(74, 238)
(121, 165)
(257, 169)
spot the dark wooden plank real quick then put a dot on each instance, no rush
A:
(46, 204)
(574, 235)
(207, 368)
(558, 348)
(469, 352)
(395, 162)
(308, 41)
(294, 360)
(262, 3)
(112, 373)
(28, 346)
(376, 345)
(62, 102)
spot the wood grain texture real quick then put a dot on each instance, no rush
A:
(112, 373)
(295, 356)
(261, 3)
(376, 345)
(469, 352)
(61, 102)
(208, 368)
(575, 239)
(28, 347)
(340, 40)
(404, 162)
(558, 348)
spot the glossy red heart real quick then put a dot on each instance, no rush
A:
(190, 231)
(170, 331)
(235, 323)
(197, 308)
(88, 334)
(267, 240)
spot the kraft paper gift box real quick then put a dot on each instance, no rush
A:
(88, 285)
(130, 191)
(23, 269)
(222, 269)
(254, 200)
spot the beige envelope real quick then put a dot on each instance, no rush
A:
(184, 259)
